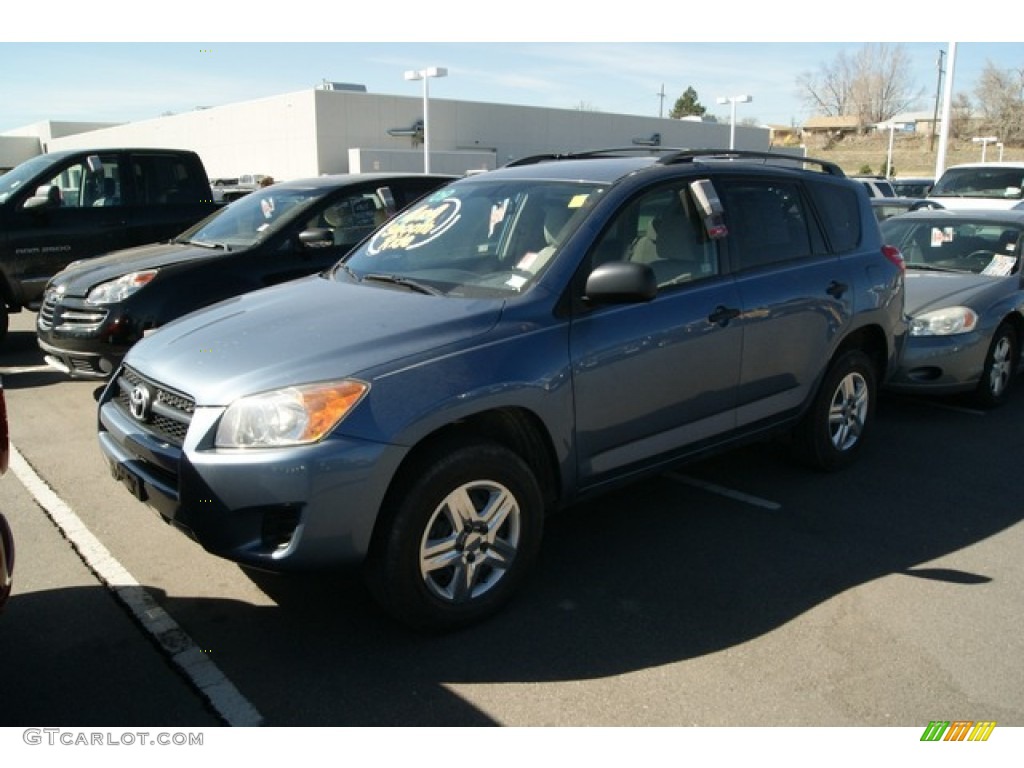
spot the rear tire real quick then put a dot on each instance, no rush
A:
(831, 434)
(457, 537)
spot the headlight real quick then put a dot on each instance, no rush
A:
(944, 322)
(291, 416)
(120, 289)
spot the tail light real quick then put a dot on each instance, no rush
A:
(892, 253)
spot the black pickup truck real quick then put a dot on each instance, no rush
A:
(64, 206)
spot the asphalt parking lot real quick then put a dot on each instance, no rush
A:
(740, 591)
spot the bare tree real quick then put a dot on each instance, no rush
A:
(1000, 98)
(872, 85)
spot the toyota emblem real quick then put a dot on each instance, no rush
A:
(139, 402)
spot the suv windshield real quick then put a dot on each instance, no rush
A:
(980, 182)
(253, 217)
(475, 238)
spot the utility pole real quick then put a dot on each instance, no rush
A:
(935, 115)
(661, 100)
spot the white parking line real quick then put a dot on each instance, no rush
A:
(234, 708)
(746, 498)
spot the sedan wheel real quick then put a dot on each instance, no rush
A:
(1000, 365)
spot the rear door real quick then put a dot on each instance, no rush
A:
(169, 193)
(796, 294)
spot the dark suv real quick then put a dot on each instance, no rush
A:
(95, 309)
(517, 341)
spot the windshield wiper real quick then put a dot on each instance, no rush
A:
(204, 244)
(405, 282)
(933, 268)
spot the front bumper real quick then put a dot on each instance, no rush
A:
(941, 364)
(82, 340)
(294, 508)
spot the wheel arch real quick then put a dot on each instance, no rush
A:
(517, 429)
(871, 340)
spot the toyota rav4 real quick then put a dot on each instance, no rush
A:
(515, 342)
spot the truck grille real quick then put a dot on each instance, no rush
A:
(169, 413)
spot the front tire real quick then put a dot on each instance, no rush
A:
(832, 432)
(458, 535)
(1000, 365)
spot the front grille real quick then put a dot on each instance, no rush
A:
(54, 314)
(170, 412)
(45, 319)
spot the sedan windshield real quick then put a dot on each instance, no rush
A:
(252, 218)
(981, 247)
(474, 238)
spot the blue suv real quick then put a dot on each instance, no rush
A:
(515, 342)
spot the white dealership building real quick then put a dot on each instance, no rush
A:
(337, 128)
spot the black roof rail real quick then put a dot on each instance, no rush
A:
(547, 157)
(672, 155)
(696, 155)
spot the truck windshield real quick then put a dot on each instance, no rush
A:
(474, 238)
(980, 182)
(16, 178)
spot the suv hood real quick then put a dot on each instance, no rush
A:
(311, 329)
(80, 277)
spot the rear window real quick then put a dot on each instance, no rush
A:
(840, 211)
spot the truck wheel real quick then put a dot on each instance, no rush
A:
(457, 537)
(832, 432)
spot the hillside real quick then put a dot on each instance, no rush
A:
(911, 156)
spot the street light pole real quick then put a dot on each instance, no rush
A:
(734, 100)
(425, 75)
(984, 141)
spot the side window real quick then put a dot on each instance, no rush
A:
(85, 185)
(661, 228)
(767, 222)
(350, 218)
(166, 180)
(840, 210)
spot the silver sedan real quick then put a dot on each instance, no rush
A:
(964, 301)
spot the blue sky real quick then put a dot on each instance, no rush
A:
(122, 80)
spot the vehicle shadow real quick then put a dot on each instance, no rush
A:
(664, 571)
(21, 362)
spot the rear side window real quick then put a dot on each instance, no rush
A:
(840, 211)
(767, 221)
(167, 180)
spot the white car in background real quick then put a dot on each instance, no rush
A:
(980, 185)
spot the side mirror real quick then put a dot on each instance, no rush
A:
(316, 238)
(46, 196)
(621, 282)
(94, 164)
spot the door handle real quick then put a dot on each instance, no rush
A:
(836, 289)
(722, 315)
